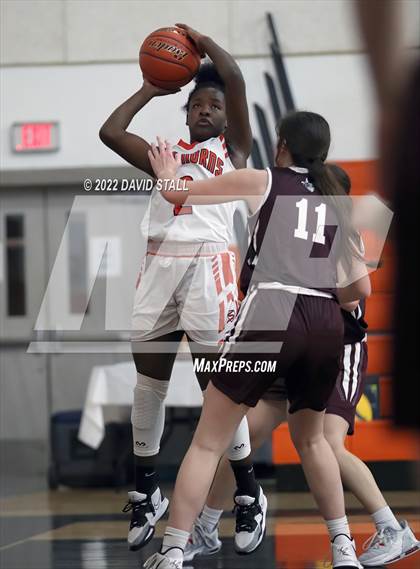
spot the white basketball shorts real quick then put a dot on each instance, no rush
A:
(190, 287)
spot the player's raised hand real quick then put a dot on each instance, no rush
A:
(164, 163)
(195, 36)
(155, 91)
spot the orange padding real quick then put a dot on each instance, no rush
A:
(375, 247)
(379, 354)
(379, 312)
(373, 441)
(380, 440)
(363, 175)
(383, 279)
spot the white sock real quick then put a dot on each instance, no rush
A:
(338, 528)
(174, 542)
(385, 518)
(210, 517)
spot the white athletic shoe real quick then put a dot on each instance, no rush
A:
(202, 541)
(159, 561)
(389, 545)
(250, 522)
(344, 554)
(145, 513)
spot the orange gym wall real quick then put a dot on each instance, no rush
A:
(363, 175)
(374, 440)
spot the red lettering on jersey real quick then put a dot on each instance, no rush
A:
(194, 157)
(212, 162)
(183, 209)
(204, 153)
(206, 158)
(219, 167)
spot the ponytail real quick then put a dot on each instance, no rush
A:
(328, 184)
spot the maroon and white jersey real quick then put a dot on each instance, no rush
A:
(194, 223)
(294, 240)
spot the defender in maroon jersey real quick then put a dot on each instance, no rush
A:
(290, 314)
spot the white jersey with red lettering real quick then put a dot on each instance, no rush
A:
(196, 223)
(188, 277)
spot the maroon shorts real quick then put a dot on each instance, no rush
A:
(348, 388)
(301, 334)
(350, 384)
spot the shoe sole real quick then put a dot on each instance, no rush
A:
(261, 539)
(151, 532)
(259, 544)
(358, 566)
(148, 538)
(408, 553)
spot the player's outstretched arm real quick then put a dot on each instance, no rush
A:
(246, 184)
(238, 132)
(113, 132)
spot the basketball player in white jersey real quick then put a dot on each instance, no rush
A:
(187, 282)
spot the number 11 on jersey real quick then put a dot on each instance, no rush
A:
(301, 231)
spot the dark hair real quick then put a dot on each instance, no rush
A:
(307, 138)
(207, 76)
(341, 176)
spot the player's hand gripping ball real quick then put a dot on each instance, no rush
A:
(168, 58)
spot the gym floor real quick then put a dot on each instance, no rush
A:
(85, 529)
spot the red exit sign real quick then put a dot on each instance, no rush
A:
(35, 137)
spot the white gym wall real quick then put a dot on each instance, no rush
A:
(74, 61)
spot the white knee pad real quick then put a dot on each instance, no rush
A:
(148, 415)
(240, 447)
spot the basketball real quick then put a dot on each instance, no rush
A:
(168, 58)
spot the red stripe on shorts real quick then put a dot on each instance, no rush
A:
(221, 316)
(227, 269)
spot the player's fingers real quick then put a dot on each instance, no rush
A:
(183, 26)
(161, 145)
(154, 150)
(153, 162)
(168, 148)
(151, 157)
